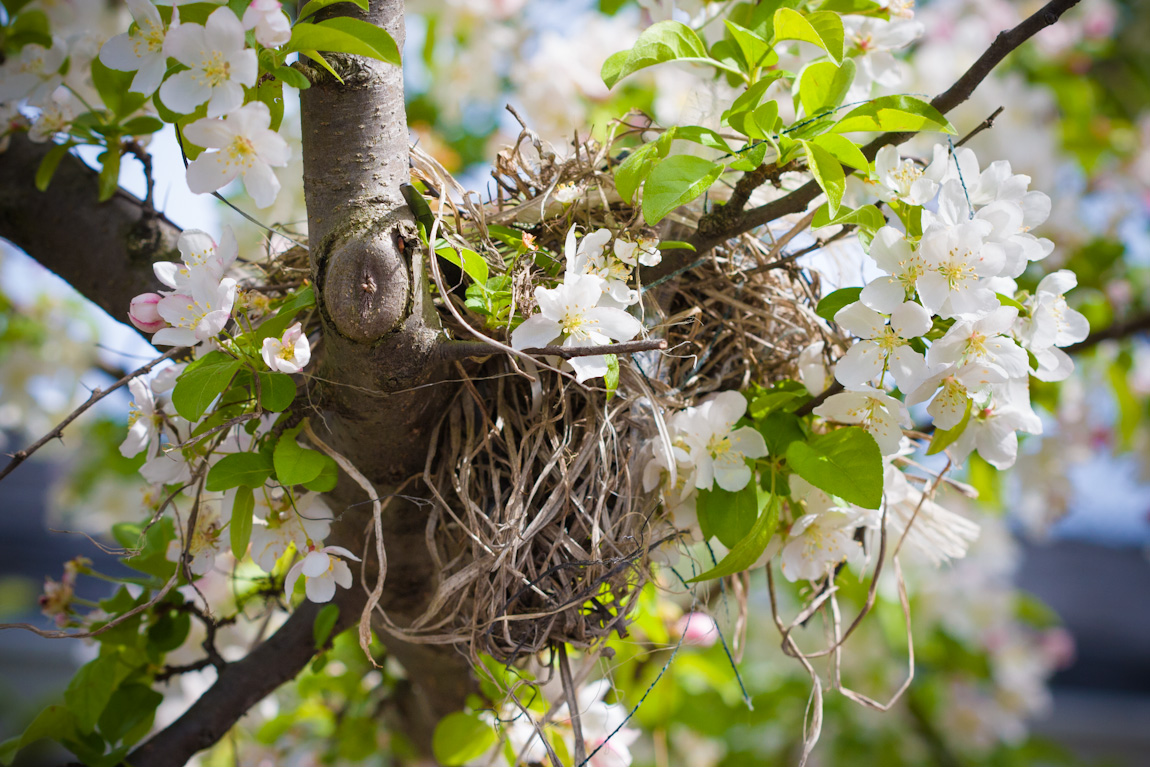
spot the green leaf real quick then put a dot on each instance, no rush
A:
(91, 689)
(461, 737)
(292, 77)
(728, 516)
(828, 172)
(325, 621)
(240, 470)
(277, 391)
(675, 245)
(857, 7)
(1006, 300)
(142, 126)
(109, 173)
(831, 303)
(201, 382)
(894, 113)
(327, 479)
(129, 705)
(315, 5)
(823, 29)
(704, 136)
(676, 181)
(823, 85)
(739, 116)
(634, 170)
(344, 35)
(55, 721)
(867, 218)
(611, 377)
(844, 150)
(50, 163)
(659, 43)
(756, 51)
(943, 439)
(296, 465)
(113, 85)
(169, 631)
(846, 462)
(319, 59)
(780, 428)
(754, 156)
(469, 261)
(240, 528)
(747, 551)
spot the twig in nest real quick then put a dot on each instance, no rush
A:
(97, 395)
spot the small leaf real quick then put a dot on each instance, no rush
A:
(327, 479)
(866, 218)
(461, 737)
(277, 391)
(611, 377)
(471, 262)
(49, 164)
(240, 528)
(822, 29)
(113, 87)
(844, 150)
(659, 43)
(676, 181)
(325, 621)
(142, 126)
(756, 51)
(747, 551)
(129, 705)
(828, 172)
(319, 59)
(704, 136)
(894, 113)
(727, 516)
(344, 35)
(91, 689)
(201, 382)
(823, 85)
(296, 465)
(846, 462)
(675, 245)
(943, 439)
(109, 180)
(292, 77)
(240, 470)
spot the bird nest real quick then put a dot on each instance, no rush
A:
(543, 530)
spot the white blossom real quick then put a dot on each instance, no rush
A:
(817, 543)
(247, 148)
(198, 314)
(719, 451)
(141, 50)
(289, 354)
(903, 266)
(993, 430)
(570, 312)
(903, 179)
(206, 542)
(322, 570)
(272, 26)
(1051, 323)
(219, 65)
(34, 73)
(876, 411)
(883, 347)
(144, 421)
(286, 520)
(957, 261)
(982, 342)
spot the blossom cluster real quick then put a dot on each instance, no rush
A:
(215, 66)
(589, 308)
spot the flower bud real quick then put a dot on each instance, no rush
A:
(698, 629)
(143, 312)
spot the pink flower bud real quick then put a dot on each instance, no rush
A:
(698, 629)
(143, 312)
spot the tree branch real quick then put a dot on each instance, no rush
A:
(243, 684)
(797, 201)
(104, 250)
(1113, 332)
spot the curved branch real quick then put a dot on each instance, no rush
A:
(243, 684)
(104, 250)
(797, 201)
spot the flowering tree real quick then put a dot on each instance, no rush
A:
(487, 442)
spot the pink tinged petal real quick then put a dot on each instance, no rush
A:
(536, 332)
(149, 76)
(225, 98)
(910, 320)
(245, 68)
(860, 320)
(119, 53)
(320, 589)
(143, 313)
(174, 337)
(210, 133)
(182, 92)
(270, 353)
(292, 576)
(224, 30)
(315, 564)
(862, 363)
(261, 183)
(210, 171)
